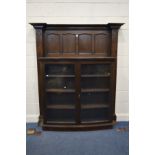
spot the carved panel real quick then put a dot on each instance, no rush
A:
(69, 43)
(85, 43)
(102, 43)
(53, 43)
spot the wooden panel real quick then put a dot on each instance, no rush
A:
(52, 43)
(69, 43)
(102, 43)
(85, 43)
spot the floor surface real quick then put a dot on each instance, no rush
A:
(102, 142)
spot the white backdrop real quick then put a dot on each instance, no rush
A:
(77, 12)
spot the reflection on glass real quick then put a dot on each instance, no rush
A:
(94, 98)
(59, 69)
(61, 115)
(65, 83)
(94, 82)
(103, 69)
(95, 114)
(61, 98)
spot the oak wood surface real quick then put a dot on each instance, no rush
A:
(81, 61)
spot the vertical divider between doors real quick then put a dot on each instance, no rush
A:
(78, 91)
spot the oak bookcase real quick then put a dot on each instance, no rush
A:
(76, 75)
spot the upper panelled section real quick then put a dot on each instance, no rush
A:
(59, 42)
(77, 42)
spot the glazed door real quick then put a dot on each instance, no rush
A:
(96, 92)
(60, 93)
(78, 92)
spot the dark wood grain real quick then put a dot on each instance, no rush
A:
(69, 48)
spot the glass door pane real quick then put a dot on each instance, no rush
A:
(60, 77)
(60, 116)
(60, 93)
(95, 92)
(94, 115)
(60, 83)
(95, 82)
(96, 99)
(95, 69)
(59, 69)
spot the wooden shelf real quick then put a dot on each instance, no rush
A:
(74, 57)
(95, 75)
(93, 106)
(48, 76)
(60, 106)
(60, 90)
(95, 90)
